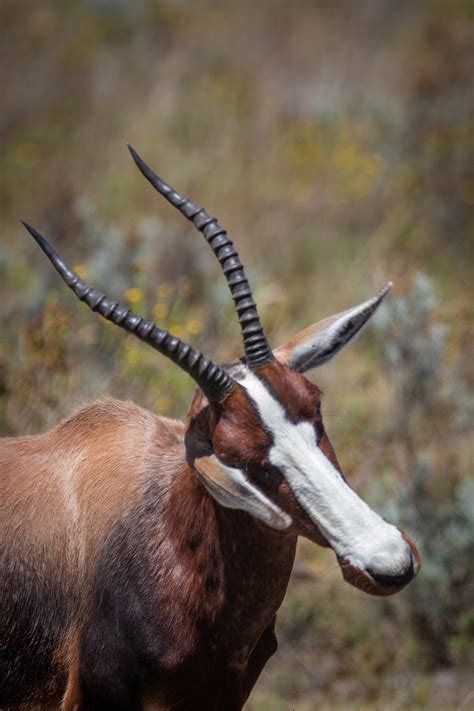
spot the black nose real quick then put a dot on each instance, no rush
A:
(394, 581)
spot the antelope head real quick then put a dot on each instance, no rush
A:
(255, 435)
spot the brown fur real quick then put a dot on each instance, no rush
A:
(68, 657)
(64, 492)
(125, 585)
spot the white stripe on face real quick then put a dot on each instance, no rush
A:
(353, 530)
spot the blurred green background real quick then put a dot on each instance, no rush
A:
(335, 141)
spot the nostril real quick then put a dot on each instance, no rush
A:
(394, 581)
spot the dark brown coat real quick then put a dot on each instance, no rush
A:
(119, 572)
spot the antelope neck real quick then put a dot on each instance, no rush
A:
(247, 564)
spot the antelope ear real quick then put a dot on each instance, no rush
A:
(232, 489)
(321, 341)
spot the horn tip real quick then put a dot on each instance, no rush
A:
(33, 232)
(42, 242)
(144, 169)
(133, 153)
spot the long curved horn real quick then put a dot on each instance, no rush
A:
(212, 379)
(257, 350)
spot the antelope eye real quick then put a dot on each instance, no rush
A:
(268, 469)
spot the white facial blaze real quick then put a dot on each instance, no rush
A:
(353, 530)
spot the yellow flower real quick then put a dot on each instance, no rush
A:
(164, 290)
(134, 295)
(81, 270)
(194, 326)
(160, 311)
(177, 331)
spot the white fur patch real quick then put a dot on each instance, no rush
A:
(235, 491)
(353, 530)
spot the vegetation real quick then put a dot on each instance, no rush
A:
(335, 142)
(435, 409)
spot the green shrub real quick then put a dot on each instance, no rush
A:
(437, 502)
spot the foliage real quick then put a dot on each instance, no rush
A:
(335, 142)
(435, 504)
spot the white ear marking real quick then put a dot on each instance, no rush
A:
(317, 344)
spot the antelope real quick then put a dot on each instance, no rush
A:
(144, 559)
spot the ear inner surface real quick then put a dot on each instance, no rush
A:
(320, 342)
(231, 488)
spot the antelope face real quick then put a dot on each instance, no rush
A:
(268, 454)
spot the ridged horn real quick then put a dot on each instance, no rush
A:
(211, 378)
(256, 347)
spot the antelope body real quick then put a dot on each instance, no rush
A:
(143, 560)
